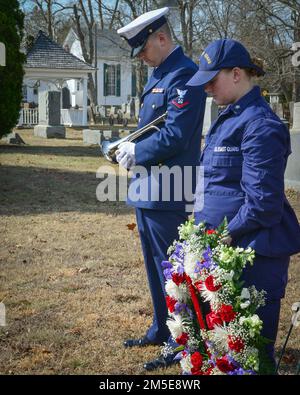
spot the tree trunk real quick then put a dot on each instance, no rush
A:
(139, 78)
(92, 97)
(296, 74)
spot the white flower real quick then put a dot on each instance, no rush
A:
(175, 326)
(177, 292)
(190, 261)
(253, 324)
(209, 296)
(186, 364)
(228, 276)
(255, 320)
(245, 293)
(246, 304)
(225, 256)
(220, 337)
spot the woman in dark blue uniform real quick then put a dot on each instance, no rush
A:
(244, 161)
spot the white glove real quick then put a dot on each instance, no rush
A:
(125, 155)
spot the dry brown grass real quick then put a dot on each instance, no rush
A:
(72, 275)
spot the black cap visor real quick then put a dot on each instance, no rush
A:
(138, 50)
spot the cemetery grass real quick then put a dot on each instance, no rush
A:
(71, 271)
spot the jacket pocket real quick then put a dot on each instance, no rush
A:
(227, 161)
(157, 101)
(227, 169)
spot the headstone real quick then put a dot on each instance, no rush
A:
(211, 113)
(110, 134)
(296, 118)
(14, 138)
(292, 173)
(277, 108)
(2, 55)
(2, 314)
(136, 107)
(92, 137)
(66, 98)
(49, 116)
(132, 108)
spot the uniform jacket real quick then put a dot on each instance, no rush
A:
(177, 143)
(244, 161)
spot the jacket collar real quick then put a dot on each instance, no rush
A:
(167, 64)
(163, 68)
(244, 101)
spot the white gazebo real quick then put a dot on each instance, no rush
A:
(50, 63)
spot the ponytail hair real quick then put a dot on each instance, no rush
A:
(252, 72)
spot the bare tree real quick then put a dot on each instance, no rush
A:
(88, 15)
(87, 46)
(129, 10)
(49, 15)
(281, 20)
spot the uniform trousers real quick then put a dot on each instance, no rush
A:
(158, 229)
(270, 274)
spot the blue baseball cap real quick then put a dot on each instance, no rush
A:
(222, 54)
(137, 32)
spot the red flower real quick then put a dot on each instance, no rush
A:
(210, 232)
(235, 344)
(196, 372)
(182, 339)
(224, 365)
(171, 302)
(187, 278)
(198, 285)
(213, 319)
(208, 371)
(196, 360)
(226, 313)
(178, 278)
(209, 283)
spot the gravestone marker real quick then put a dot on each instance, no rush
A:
(211, 113)
(292, 173)
(2, 55)
(49, 116)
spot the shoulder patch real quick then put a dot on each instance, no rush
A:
(179, 101)
(180, 105)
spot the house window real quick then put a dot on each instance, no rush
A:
(78, 85)
(112, 79)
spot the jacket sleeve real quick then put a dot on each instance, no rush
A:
(184, 118)
(264, 147)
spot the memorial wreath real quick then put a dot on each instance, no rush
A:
(212, 316)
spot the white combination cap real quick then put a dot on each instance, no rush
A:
(137, 32)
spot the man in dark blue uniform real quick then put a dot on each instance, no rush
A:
(160, 201)
(244, 160)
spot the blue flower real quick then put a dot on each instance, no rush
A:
(207, 262)
(179, 307)
(240, 372)
(168, 273)
(180, 268)
(178, 253)
(166, 264)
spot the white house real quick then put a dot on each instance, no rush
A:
(116, 82)
(48, 67)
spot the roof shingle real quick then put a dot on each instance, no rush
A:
(45, 53)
